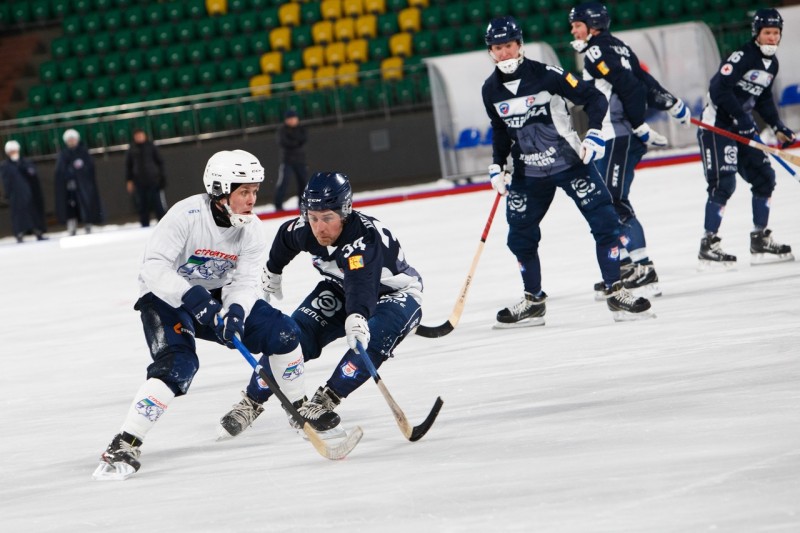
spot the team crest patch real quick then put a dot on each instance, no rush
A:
(294, 370)
(355, 262)
(150, 408)
(349, 369)
(505, 108)
(572, 80)
(613, 253)
(726, 69)
(529, 101)
(603, 68)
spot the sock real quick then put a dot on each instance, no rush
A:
(761, 207)
(288, 369)
(148, 405)
(531, 272)
(714, 212)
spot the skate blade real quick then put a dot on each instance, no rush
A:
(768, 259)
(599, 296)
(222, 434)
(627, 316)
(704, 265)
(651, 290)
(330, 434)
(526, 323)
(115, 472)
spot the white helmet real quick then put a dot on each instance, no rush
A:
(71, 134)
(12, 146)
(228, 167)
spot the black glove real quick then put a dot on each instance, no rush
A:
(232, 324)
(785, 135)
(746, 127)
(203, 307)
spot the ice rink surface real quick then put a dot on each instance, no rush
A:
(686, 423)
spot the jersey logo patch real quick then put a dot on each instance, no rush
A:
(603, 68)
(572, 80)
(726, 69)
(504, 108)
(355, 262)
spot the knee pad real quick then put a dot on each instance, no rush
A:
(268, 331)
(176, 369)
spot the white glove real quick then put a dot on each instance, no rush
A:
(681, 113)
(271, 285)
(356, 330)
(650, 137)
(500, 179)
(593, 147)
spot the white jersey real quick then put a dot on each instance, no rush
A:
(187, 248)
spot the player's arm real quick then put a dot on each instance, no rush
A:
(158, 270)
(501, 140)
(578, 92)
(361, 262)
(721, 88)
(245, 281)
(631, 91)
(288, 242)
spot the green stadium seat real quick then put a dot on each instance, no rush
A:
(370, 70)
(230, 117)
(90, 67)
(81, 6)
(134, 17)
(196, 9)
(122, 85)
(282, 82)
(533, 28)
(60, 47)
(5, 15)
(206, 28)
(471, 38)
(143, 82)
(475, 12)
(301, 37)
(405, 92)
(81, 45)
(249, 67)
(387, 24)
(58, 94)
(228, 25)
(423, 43)
(196, 52)
(558, 24)
(40, 10)
(79, 91)
(292, 60)
(229, 70)
(163, 125)
(672, 10)
(237, 6)
(49, 72)
(21, 12)
(625, 13)
(154, 14)
(101, 88)
(695, 7)
(113, 20)
(92, 23)
(185, 123)
(310, 13)
(453, 15)
(72, 25)
(175, 55)
(121, 131)
(538, 7)
(271, 109)
(378, 49)
(496, 8)
(248, 22)
(239, 46)
(164, 80)
(186, 76)
(207, 119)
(259, 44)
(60, 8)
(123, 40)
(447, 40)
(173, 11)
(154, 58)
(269, 19)
(648, 12)
(396, 5)
(522, 8)
(38, 96)
(207, 73)
(431, 18)
(112, 64)
(218, 49)
(316, 104)
(102, 43)
(252, 114)
(68, 69)
(99, 6)
(133, 61)
(144, 38)
(185, 31)
(163, 34)
(97, 134)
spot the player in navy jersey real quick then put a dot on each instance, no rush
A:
(613, 67)
(368, 293)
(204, 260)
(743, 84)
(527, 103)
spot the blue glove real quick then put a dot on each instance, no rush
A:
(785, 135)
(746, 127)
(232, 325)
(203, 307)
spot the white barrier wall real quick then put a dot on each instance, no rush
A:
(787, 84)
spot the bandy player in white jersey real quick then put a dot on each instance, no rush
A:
(204, 259)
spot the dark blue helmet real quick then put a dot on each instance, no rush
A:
(766, 18)
(327, 190)
(593, 14)
(502, 30)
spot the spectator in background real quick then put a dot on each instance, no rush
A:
(24, 194)
(77, 196)
(292, 139)
(144, 172)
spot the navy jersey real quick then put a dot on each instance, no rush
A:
(742, 85)
(530, 119)
(366, 261)
(617, 73)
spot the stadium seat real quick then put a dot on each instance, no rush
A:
(229, 70)
(292, 60)
(280, 39)
(228, 25)
(174, 11)
(259, 43)
(316, 104)
(163, 34)
(289, 14)
(322, 32)
(113, 20)
(418, 3)
(143, 83)
(331, 9)
(396, 5)
(206, 28)
(303, 79)
(81, 6)
(498, 8)
(72, 25)
(271, 108)
(387, 24)
(207, 119)
(239, 46)
(112, 64)
(49, 72)
(249, 67)
(102, 43)
(400, 44)
(163, 125)
(122, 85)
(60, 47)
(446, 40)
(143, 38)
(248, 22)
(366, 27)
(392, 68)
(423, 43)
(68, 69)
(352, 8)
(260, 85)
(344, 29)
(310, 13)
(347, 74)
(672, 10)
(648, 12)
(229, 117)
(207, 74)
(475, 12)
(154, 13)
(453, 15)
(133, 61)
(431, 18)
(101, 88)
(625, 12)
(164, 80)
(195, 9)
(217, 49)
(90, 67)
(133, 17)
(217, 7)
(375, 7)
(92, 23)
(301, 37)
(185, 31)
(60, 8)
(195, 52)
(313, 56)
(269, 19)
(409, 19)
(378, 49)
(357, 51)
(326, 77)
(404, 92)
(336, 53)
(40, 10)
(521, 9)
(38, 96)
(272, 63)
(251, 114)
(186, 76)
(82, 45)
(175, 55)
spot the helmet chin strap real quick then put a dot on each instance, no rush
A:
(579, 45)
(237, 221)
(509, 66)
(768, 49)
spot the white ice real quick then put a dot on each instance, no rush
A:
(686, 423)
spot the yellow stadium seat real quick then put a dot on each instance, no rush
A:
(314, 56)
(335, 53)
(367, 27)
(400, 44)
(303, 79)
(347, 74)
(357, 51)
(344, 29)
(418, 3)
(392, 68)
(331, 9)
(375, 7)
(272, 63)
(409, 19)
(289, 14)
(322, 32)
(217, 7)
(326, 77)
(280, 39)
(260, 85)
(353, 8)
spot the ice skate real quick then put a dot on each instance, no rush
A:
(319, 413)
(120, 460)
(625, 271)
(642, 280)
(625, 306)
(527, 313)
(764, 250)
(712, 257)
(239, 418)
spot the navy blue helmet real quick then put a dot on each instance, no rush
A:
(327, 190)
(502, 30)
(766, 18)
(593, 14)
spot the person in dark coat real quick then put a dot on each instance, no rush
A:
(24, 193)
(144, 172)
(77, 195)
(292, 139)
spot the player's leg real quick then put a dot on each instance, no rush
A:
(755, 168)
(526, 205)
(720, 156)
